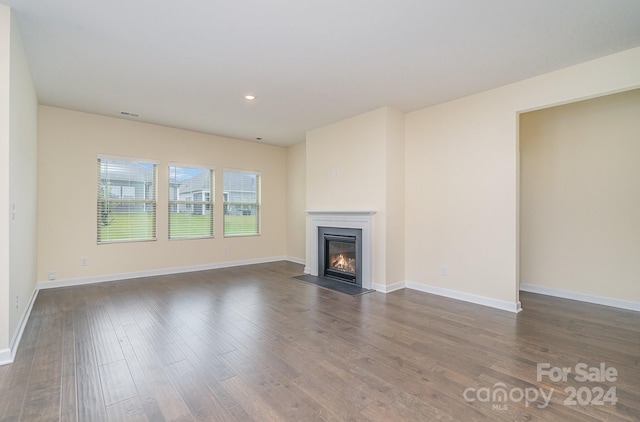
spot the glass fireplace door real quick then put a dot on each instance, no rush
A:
(340, 254)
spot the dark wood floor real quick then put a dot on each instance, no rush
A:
(250, 343)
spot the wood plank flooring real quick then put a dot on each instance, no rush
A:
(252, 344)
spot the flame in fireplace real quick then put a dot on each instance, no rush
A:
(343, 263)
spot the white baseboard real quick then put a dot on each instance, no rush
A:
(467, 297)
(149, 273)
(5, 356)
(384, 288)
(8, 355)
(582, 297)
(453, 294)
(307, 270)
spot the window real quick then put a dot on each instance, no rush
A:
(190, 202)
(241, 203)
(126, 208)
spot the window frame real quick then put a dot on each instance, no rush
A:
(242, 204)
(190, 204)
(104, 198)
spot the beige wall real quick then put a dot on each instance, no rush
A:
(461, 197)
(18, 159)
(5, 59)
(580, 200)
(462, 176)
(296, 201)
(23, 182)
(395, 200)
(68, 145)
(348, 168)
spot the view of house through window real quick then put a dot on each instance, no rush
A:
(241, 193)
(126, 199)
(191, 195)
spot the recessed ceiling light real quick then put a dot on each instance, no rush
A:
(258, 139)
(249, 97)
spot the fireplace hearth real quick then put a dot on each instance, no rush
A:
(340, 254)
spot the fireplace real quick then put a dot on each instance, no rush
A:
(340, 254)
(361, 221)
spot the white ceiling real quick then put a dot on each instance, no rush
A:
(187, 64)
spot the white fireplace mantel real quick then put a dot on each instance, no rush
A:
(358, 219)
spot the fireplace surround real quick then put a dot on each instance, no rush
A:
(358, 220)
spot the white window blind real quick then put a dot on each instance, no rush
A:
(191, 202)
(241, 203)
(126, 208)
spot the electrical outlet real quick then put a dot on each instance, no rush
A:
(83, 262)
(445, 270)
(17, 301)
(225, 249)
(52, 275)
